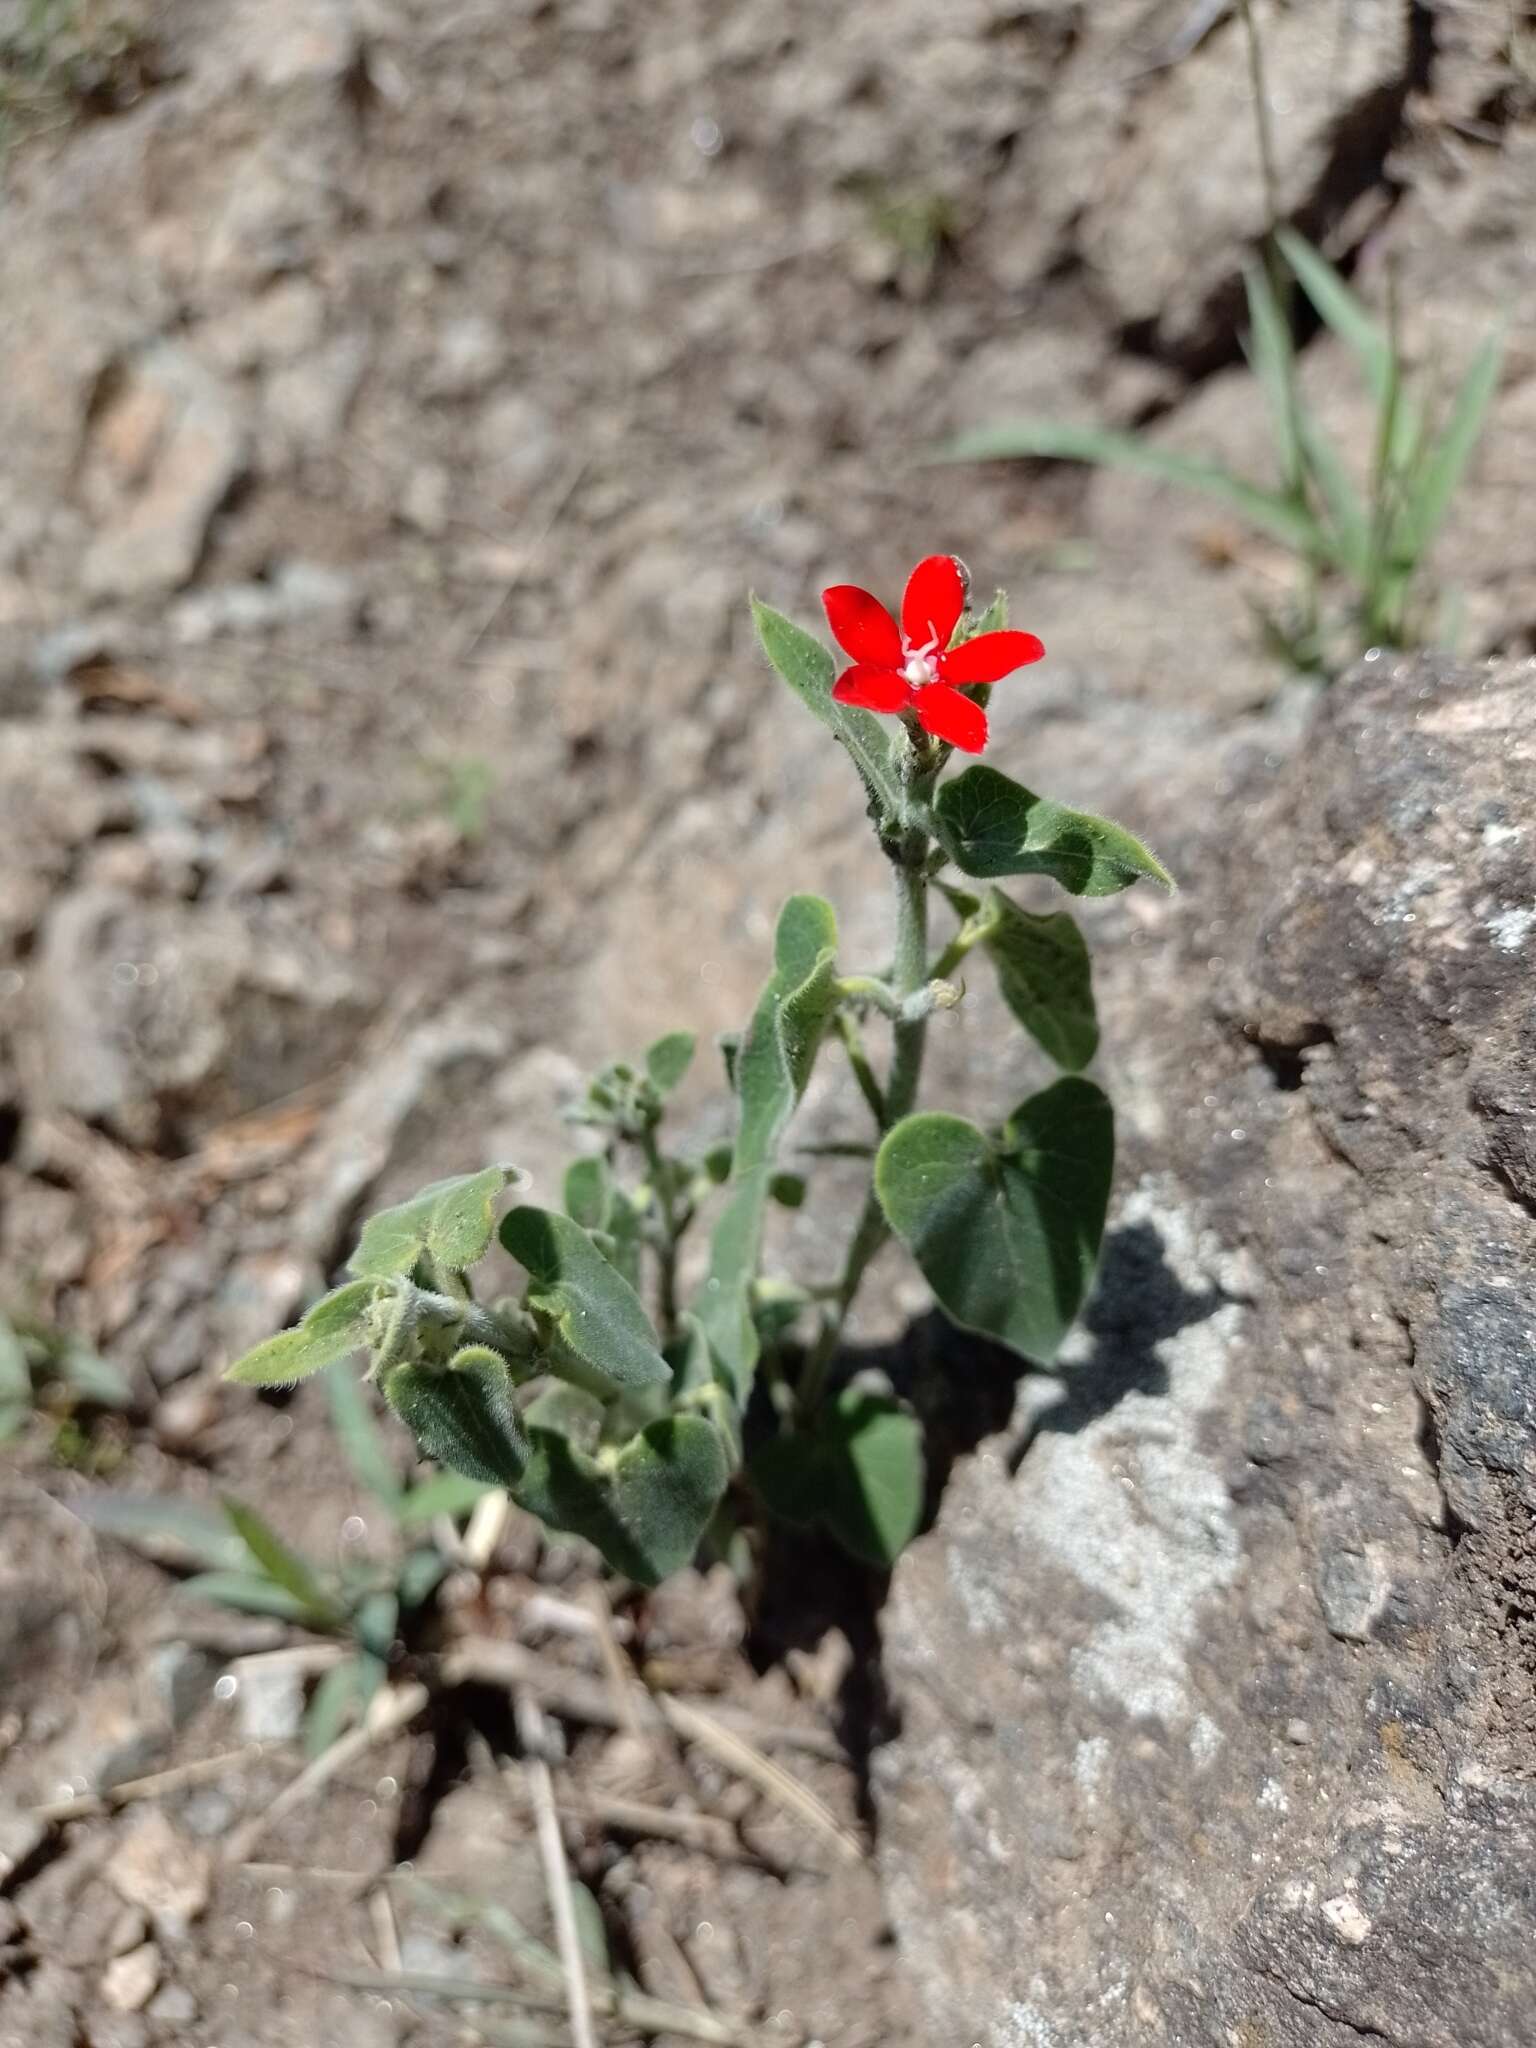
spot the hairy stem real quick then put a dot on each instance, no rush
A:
(669, 1237)
(909, 1035)
(858, 1058)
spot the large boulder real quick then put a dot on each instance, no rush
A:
(1217, 1677)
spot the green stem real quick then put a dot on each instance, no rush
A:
(853, 1044)
(1280, 285)
(970, 935)
(866, 988)
(671, 1233)
(910, 857)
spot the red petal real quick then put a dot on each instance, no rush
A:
(990, 657)
(949, 716)
(862, 626)
(872, 688)
(934, 600)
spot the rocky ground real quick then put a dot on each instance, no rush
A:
(399, 400)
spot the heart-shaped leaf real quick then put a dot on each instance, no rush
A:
(334, 1328)
(452, 1222)
(1006, 1230)
(810, 672)
(989, 824)
(603, 1337)
(859, 1471)
(1044, 973)
(645, 1507)
(462, 1415)
(771, 1071)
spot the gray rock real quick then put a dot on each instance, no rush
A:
(173, 2003)
(130, 1981)
(295, 593)
(470, 354)
(1218, 1712)
(307, 402)
(270, 1701)
(158, 1870)
(167, 451)
(22, 1834)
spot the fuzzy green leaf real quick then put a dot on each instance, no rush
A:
(462, 1415)
(603, 1335)
(564, 1410)
(991, 825)
(859, 1471)
(334, 1328)
(1044, 973)
(1006, 1230)
(645, 1507)
(1062, 440)
(772, 1069)
(810, 672)
(588, 1193)
(452, 1222)
(668, 1060)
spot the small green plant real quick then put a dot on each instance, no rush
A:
(49, 1375)
(464, 788)
(1368, 538)
(374, 1606)
(647, 1436)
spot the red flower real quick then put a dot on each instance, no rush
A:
(913, 667)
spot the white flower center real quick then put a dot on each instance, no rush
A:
(920, 668)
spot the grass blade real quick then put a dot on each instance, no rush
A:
(361, 1439)
(1338, 306)
(1435, 483)
(249, 1593)
(1348, 536)
(446, 1493)
(177, 1533)
(1273, 357)
(1068, 442)
(284, 1567)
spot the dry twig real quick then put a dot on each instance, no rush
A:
(390, 1713)
(557, 1877)
(739, 1755)
(88, 1804)
(574, 1696)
